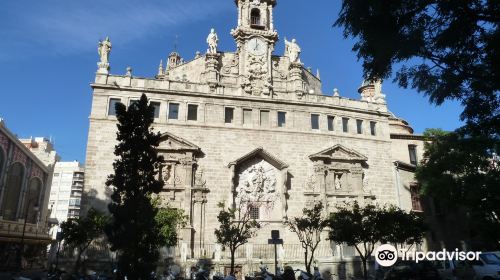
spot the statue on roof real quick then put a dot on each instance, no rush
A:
(292, 50)
(212, 41)
(104, 49)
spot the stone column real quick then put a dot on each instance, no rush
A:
(212, 70)
(296, 79)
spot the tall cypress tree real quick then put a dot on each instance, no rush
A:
(133, 231)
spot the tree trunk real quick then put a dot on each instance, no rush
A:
(311, 259)
(307, 264)
(232, 260)
(365, 271)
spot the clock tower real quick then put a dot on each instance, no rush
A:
(255, 39)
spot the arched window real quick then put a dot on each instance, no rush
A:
(35, 187)
(12, 192)
(255, 17)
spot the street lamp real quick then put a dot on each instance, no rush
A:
(21, 248)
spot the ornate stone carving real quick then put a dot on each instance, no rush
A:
(312, 184)
(258, 81)
(257, 183)
(232, 67)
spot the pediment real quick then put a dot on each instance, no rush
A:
(260, 153)
(339, 153)
(173, 143)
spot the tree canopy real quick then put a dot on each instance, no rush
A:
(462, 172)
(444, 49)
(81, 232)
(447, 50)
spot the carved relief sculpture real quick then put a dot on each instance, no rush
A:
(257, 184)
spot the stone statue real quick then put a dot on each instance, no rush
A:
(292, 50)
(104, 49)
(338, 185)
(212, 41)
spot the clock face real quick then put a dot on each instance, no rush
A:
(257, 46)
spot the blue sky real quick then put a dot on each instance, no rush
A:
(48, 56)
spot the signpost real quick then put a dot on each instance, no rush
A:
(275, 240)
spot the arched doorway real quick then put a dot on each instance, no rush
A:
(34, 189)
(12, 192)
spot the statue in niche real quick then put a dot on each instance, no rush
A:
(167, 174)
(292, 50)
(199, 181)
(103, 50)
(212, 41)
(338, 184)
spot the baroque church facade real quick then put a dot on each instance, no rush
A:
(254, 126)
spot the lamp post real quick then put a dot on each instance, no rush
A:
(21, 247)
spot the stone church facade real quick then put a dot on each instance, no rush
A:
(254, 126)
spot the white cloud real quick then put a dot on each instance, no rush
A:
(73, 26)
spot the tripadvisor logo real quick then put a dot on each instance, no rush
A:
(387, 255)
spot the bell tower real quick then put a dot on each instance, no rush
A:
(255, 38)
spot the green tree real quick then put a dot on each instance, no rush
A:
(133, 230)
(447, 50)
(364, 227)
(308, 229)
(463, 173)
(170, 220)
(400, 228)
(81, 232)
(235, 229)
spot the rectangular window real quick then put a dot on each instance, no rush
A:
(373, 128)
(359, 126)
(173, 111)
(281, 119)
(264, 118)
(345, 125)
(156, 105)
(228, 115)
(56, 174)
(247, 116)
(134, 101)
(192, 112)
(416, 204)
(314, 121)
(330, 120)
(112, 106)
(254, 212)
(412, 149)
